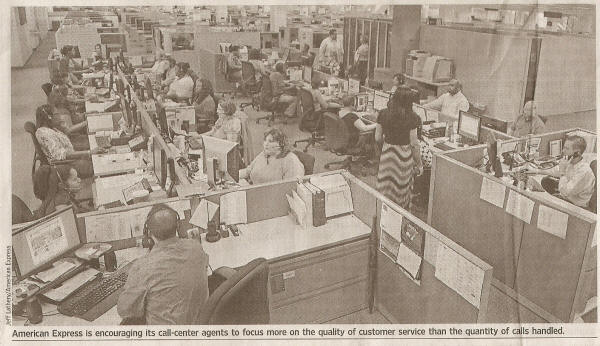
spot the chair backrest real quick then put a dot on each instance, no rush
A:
(266, 92)
(31, 128)
(246, 146)
(20, 211)
(47, 88)
(248, 72)
(336, 132)
(241, 299)
(375, 84)
(308, 161)
(306, 100)
(45, 188)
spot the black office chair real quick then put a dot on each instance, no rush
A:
(593, 202)
(337, 140)
(45, 187)
(242, 298)
(311, 121)
(270, 103)
(250, 86)
(20, 211)
(47, 88)
(308, 161)
(38, 155)
(374, 84)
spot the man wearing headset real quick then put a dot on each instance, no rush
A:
(169, 285)
(573, 178)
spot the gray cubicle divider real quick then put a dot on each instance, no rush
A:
(398, 297)
(548, 275)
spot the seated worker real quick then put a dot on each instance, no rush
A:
(161, 65)
(397, 81)
(354, 124)
(255, 58)
(74, 93)
(307, 57)
(181, 89)
(57, 146)
(97, 58)
(204, 104)
(171, 74)
(63, 121)
(279, 88)
(528, 123)
(275, 162)
(69, 66)
(312, 122)
(67, 185)
(169, 285)
(450, 103)
(573, 178)
(234, 64)
(229, 125)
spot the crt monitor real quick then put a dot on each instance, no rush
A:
(307, 74)
(380, 100)
(469, 126)
(159, 161)
(162, 120)
(148, 85)
(227, 156)
(37, 245)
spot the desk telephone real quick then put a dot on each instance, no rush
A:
(435, 130)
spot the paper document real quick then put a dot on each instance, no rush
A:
(180, 207)
(458, 273)
(519, 206)
(338, 198)
(389, 245)
(409, 261)
(205, 212)
(107, 227)
(297, 207)
(492, 192)
(552, 221)
(137, 219)
(186, 114)
(69, 286)
(47, 241)
(58, 268)
(391, 221)
(233, 208)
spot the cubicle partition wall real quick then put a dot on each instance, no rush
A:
(211, 65)
(548, 271)
(320, 274)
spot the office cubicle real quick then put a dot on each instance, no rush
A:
(549, 275)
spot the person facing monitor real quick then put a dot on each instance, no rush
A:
(169, 285)
(452, 102)
(572, 178)
(528, 122)
(275, 162)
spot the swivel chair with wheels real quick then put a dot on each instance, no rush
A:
(47, 88)
(307, 160)
(311, 121)
(270, 103)
(243, 298)
(250, 86)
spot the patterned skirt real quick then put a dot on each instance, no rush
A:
(395, 176)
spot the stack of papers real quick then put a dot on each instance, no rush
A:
(59, 268)
(204, 213)
(338, 198)
(233, 208)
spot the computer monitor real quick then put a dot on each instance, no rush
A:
(380, 100)
(148, 85)
(307, 74)
(111, 81)
(37, 245)
(162, 120)
(227, 157)
(286, 54)
(159, 161)
(469, 126)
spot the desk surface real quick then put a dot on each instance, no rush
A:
(108, 164)
(279, 237)
(425, 81)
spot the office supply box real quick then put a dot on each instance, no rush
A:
(437, 69)
(415, 62)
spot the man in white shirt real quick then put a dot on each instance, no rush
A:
(182, 88)
(331, 50)
(451, 103)
(576, 180)
(161, 65)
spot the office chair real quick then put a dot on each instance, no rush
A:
(47, 88)
(374, 84)
(270, 103)
(20, 211)
(308, 161)
(593, 202)
(310, 121)
(173, 175)
(250, 86)
(337, 137)
(45, 187)
(243, 298)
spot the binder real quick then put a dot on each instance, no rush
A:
(314, 199)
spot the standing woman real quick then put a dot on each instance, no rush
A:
(397, 81)
(400, 155)
(205, 105)
(361, 58)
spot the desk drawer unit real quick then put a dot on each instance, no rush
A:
(319, 286)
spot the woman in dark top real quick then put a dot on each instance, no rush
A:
(400, 154)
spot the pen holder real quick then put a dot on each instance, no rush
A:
(34, 310)
(212, 235)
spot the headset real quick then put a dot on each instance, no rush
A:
(147, 241)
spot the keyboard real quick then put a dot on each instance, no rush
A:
(371, 117)
(97, 297)
(443, 146)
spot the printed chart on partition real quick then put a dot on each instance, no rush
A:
(47, 241)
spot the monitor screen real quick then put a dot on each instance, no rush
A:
(159, 162)
(380, 100)
(307, 74)
(38, 244)
(353, 86)
(226, 153)
(469, 125)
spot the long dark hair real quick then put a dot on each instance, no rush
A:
(400, 103)
(206, 90)
(43, 116)
(280, 138)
